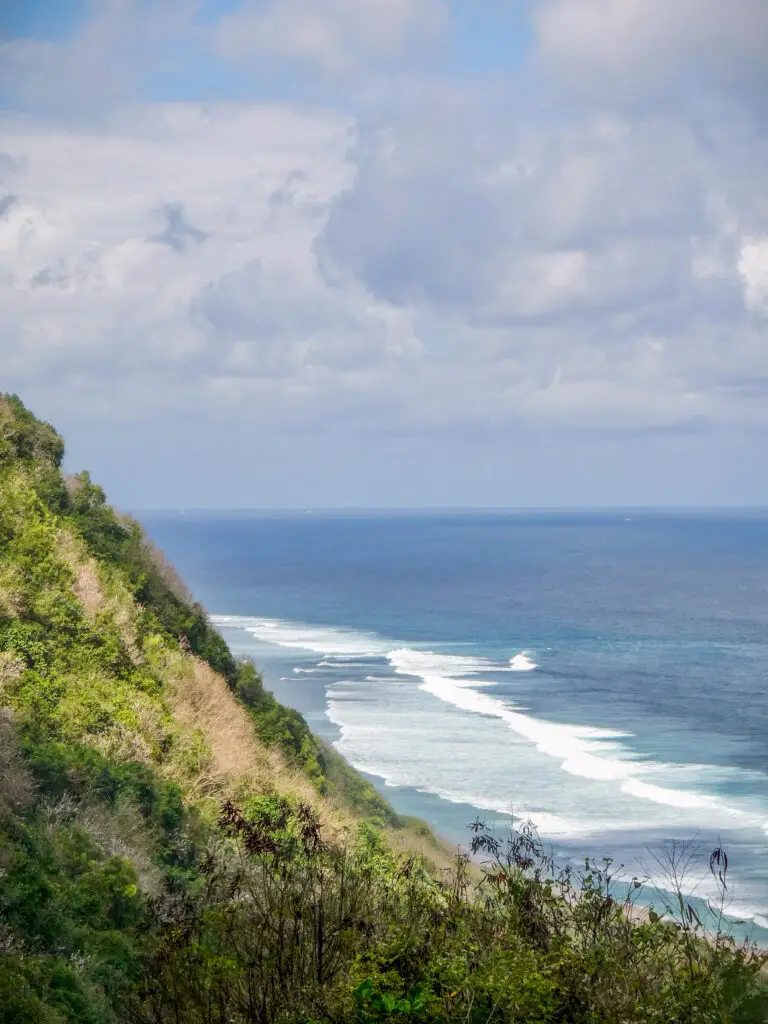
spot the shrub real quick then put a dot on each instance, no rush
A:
(122, 902)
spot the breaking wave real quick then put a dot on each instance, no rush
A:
(382, 725)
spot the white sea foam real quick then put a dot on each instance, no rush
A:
(369, 746)
(339, 643)
(578, 748)
(698, 884)
(669, 797)
(545, 822)
(410, 662)
(586, 751)
(371, 721)
(345, 661)
(742, 912)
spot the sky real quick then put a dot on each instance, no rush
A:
(390, 253)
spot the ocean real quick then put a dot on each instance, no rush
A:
(602, 675)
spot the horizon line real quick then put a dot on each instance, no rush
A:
(453, 509)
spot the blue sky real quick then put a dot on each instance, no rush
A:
(479, 42)
(48, 19)
(391, 252)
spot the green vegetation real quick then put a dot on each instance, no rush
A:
(176, 846)
(286, 729)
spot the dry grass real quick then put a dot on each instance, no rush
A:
(16, 785)
(168, 572)
(7, 419)
(87, 584)
(121, 831)
(126, 743)
(8, 605)
(71, 483)
(11, 603)
(11, 669)
(118, 831)
(96, 596)
(438, 854)
(237, 764)
(216, 752)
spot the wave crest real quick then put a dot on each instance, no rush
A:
(597, 754)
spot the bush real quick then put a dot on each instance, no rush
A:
(296, 930)
(122, 902)
(25, 438)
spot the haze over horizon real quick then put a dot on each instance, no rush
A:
(390, 253)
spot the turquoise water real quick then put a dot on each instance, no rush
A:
(603, 675)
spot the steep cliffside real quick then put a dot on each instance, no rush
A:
(177, 846)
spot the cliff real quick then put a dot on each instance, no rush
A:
(175, 845)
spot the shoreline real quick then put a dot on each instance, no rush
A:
(449, 821)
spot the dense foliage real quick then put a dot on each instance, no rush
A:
(292, 929)
(140, 882)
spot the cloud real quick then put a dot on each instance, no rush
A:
(227, 315)
(544, 220)
(632, 51)
(6, 202)
(102, 63)
(277, 328)
(753, 267)
(334, 37)
(452, 256)
(178, 234)
(602, 269)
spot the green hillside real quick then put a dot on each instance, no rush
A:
(176, 846)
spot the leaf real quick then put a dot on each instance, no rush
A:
(417, 997)
(362, 991)
(718, 865)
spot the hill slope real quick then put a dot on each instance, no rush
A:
(177, 846)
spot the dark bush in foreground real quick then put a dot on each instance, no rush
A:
(291, 929)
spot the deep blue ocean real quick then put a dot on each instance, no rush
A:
(603, 675)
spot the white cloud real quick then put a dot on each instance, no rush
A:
(753, 267)
(595, 267)
(102, 63)
(181, 246)
(467, 260)
(620, 51)
(572, 276)
(332, 36)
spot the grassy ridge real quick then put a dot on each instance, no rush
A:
(118, 542)
(175, 845)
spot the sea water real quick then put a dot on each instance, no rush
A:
(601, 675)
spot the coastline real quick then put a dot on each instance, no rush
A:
(440, 827)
